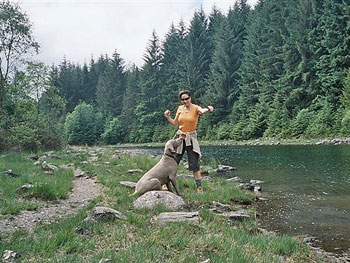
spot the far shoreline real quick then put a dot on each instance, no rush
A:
(255, 142)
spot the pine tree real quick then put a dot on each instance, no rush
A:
(198, 55)
(223, 79)
(111, 87)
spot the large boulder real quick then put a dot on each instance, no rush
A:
(153, 198)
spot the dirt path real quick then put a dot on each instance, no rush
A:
(85, 189)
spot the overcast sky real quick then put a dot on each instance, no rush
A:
(78, 30)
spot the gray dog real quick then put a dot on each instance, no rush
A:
(163, 172)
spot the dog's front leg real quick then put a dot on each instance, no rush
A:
(173, 181)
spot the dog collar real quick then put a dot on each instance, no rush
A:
(171, 156)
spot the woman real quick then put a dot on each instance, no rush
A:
(186, 119)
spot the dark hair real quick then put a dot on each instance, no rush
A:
(185, 92)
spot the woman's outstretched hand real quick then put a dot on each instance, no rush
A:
(167, 113)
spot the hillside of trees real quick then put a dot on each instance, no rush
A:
(279, 70)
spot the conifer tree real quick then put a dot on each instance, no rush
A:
(111, 88)
(198, 55)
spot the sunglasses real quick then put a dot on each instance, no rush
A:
(183, 99)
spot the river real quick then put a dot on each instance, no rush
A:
(307, 187)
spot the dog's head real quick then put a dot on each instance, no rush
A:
(171, 146)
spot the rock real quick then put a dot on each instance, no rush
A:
(81, 231)
(225, 168)
(33, 157)
(36, 163)
(101, 213)
(266, 232)
(239, 215)
(246, 186)
(166, 217)
(257, 188)
(105, 260)
(94, 158)
(79, 173)
(309, 240)
(115, 157)
(234, 180)
(48, 167)
(11, 173)
(10, 255)
(24, 188)
(219, 207)
(185, 176)
(153, 198)
(66, 166)
(132, 171)
(84, 162)
(207, 179)
(128, 184)
(256, 182)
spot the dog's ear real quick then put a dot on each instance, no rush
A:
(171, 148)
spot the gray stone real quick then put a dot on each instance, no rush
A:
(101, 213)
(239, 215)
(207, 179)
(153, 198)
(256, 182)
(105, 260)
(128, 184)
(11, 173)
(219, 207)
(185, 176)
(132, 171)
(48, 167)
(247, 186)
(24, 188)
(10, 255)
(166, 217)
(234, 180)
(225, 168)
(79, 173)
(257, 188)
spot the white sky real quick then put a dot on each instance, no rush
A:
(80, 29)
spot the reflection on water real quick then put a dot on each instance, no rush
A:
(307, 187)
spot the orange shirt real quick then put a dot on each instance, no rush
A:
(188, 120)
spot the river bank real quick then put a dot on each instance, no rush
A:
(311, 199)
(260, 141)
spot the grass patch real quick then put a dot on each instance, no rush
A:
(135, 239)
(46, 187)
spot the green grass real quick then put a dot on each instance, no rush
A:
(135, 239)
(46, 187)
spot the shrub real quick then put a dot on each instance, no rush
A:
(114, 132)
(80, 125)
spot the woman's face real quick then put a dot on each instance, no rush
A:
(185, 99)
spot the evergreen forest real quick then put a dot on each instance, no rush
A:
(280, 69)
